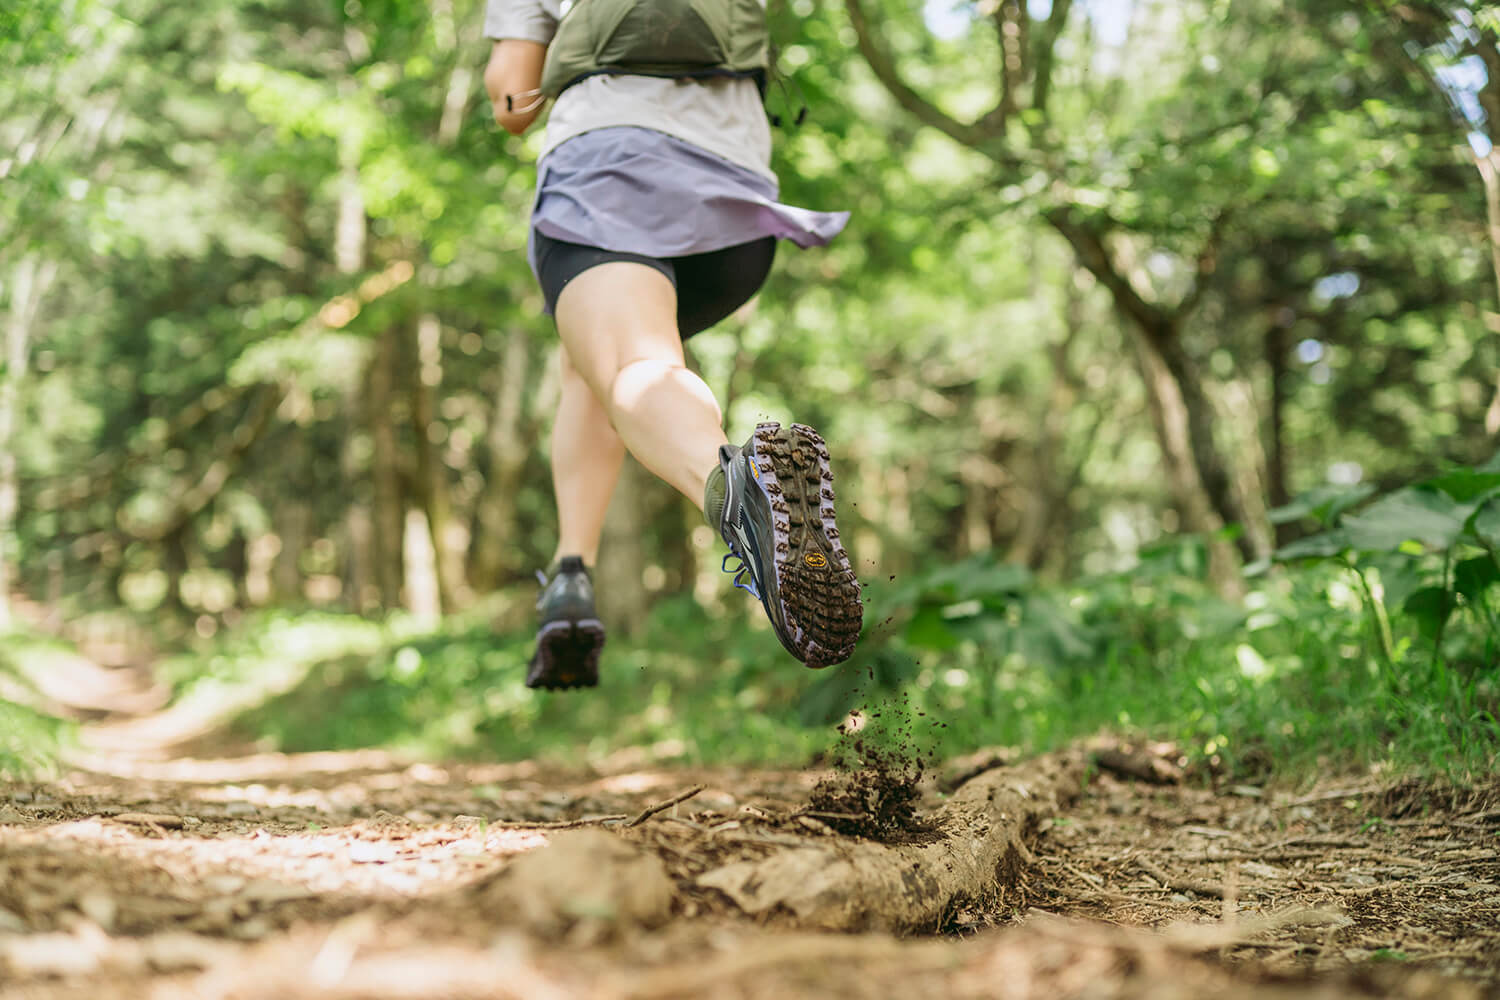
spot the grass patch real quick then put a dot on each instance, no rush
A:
(30, 739)
(1373, 642)
(1286, 682)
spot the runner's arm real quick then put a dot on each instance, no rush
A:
(512, 77)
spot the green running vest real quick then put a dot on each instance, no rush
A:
(671, 38)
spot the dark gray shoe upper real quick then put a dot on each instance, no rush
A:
(568, 595)
(747, 527)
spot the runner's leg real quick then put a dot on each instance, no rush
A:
(618, 323)
(586, 459)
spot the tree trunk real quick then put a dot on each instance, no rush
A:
(389, 513)
(1170, 417)
(1213, 470)
(27, 287)
(1489, 172)
(1278, 348)
(293, 521)
(1159, 334)
(1047, 496)
(432, 478)
(420, 595)
(495, 512)
(174, 558)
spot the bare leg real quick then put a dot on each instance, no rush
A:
(618, 323)
(586, 459)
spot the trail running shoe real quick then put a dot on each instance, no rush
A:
(571, 636)
(778, 521)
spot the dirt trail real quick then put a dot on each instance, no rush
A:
(360, 875)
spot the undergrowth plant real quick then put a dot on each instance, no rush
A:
(1426, 555)
(1370, 642)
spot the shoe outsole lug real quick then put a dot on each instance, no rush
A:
(567, 656)
(819, 592)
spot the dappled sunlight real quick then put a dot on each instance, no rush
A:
(1157, 369)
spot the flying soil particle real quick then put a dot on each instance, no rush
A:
(878, 801)
(874, 793)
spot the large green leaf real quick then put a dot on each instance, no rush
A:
(1465, 484)
(1472, 577)
(1319, 546)
(1484, 524)
(1048, 634)
(1323, 503)
(1410, 514)
(1429, 608)
(929, 630)
(978, 578)
(1401, 576)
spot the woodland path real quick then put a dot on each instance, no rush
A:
(365, 875)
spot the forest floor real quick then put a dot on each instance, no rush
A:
(138, 874)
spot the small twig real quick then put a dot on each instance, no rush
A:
(1091, 879)
(1179, 884)
(1403, 886)
(1317, 841)
(828, 815)
(1342, 793)
(762, 813)
(685, 822)
(664, 805)
(1203, 857)
(567, 824)
(157, 821)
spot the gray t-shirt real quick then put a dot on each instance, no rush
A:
(722, 115)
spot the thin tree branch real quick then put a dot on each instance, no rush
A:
(1208, 262)
(194, 498)
(1088, 243)
(1046, 55)
(1011, 24)
(884, 68)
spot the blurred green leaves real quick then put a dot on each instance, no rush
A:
(1431, 551)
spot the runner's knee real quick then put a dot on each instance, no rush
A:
(637, 378)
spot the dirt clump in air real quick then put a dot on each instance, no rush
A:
(875, 791)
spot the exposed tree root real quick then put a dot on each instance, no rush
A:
(978, 851)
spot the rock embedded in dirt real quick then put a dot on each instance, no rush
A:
(587, 884)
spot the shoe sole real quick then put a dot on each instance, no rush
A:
(819, 593)
(567, 655)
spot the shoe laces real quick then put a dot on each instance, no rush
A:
(741, 573)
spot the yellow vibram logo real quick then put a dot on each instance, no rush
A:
(754, 470)
(815, 560)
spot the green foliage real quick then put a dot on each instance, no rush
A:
(962, 657)
(288, 308)
(1424, 555)
(30, 740)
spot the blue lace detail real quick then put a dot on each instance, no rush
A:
(741, 574)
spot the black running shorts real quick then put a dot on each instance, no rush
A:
(709, 285)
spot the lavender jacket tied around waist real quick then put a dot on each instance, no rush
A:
(636, 190)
